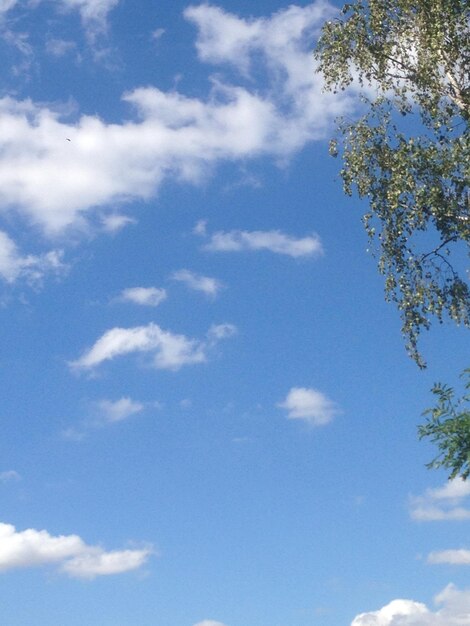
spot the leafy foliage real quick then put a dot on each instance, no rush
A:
(448, 426)
(409, 152)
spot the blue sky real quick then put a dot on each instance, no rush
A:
(208, 416)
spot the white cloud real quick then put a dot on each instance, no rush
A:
(9, 476)
(169, 351)
(32, 268)
(272, 240)
(393, 614)
(95, 562)
(454, 611)
(169, 134)
(453, 490)
(443, 503)
(197, 282)
(450, 557)
(31, 548)
(145, 296)
(309, 405)
(282, 45)
(119, 410)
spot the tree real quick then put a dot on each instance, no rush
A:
(408, 153)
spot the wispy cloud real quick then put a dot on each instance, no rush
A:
(197, 282)
(119, 410)
(450, 557)
(105, 412)
(59, 47)
(168, 350)
(93, 13)
(32, 268)
(114, 222)
(158, 33)
(271, 240)
(145, 296)
(33, 548)
(9, 476)
(443, 503)
(91, 9)
(7, 5)
(309, 405)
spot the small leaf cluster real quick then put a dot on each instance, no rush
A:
(448, 426)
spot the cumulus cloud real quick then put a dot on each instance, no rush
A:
(309, 405)
(394, 613)
(272, 240)
(32, 548)
(209, 622)
(197, 282)
(169, 351)
(14, 265)
(169, 134)
(454, 611)
(145, 296)
(443, 503)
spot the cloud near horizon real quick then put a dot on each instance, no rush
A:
(169, 351)
(454, 611)
(34, 548)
